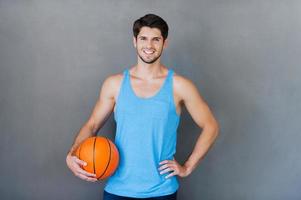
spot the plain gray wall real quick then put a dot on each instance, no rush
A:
(244, 56)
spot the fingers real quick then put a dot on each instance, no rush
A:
(86, 178)
(168, 166)
(81, 173)
(168, 169)
(85, 173)
(165, 167)
(164, 162)
(171, 174)
(80, 162)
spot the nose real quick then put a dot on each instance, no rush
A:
(149, 44)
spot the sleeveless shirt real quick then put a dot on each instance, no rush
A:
(146, 133)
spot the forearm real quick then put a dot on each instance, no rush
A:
(202, 146)
(83, 134)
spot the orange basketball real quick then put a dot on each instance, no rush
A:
(101, 156)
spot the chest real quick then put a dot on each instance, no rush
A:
(146, 89)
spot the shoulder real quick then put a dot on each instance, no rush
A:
(183, 86)
(182, 83)
(114, 79)
(111, 84)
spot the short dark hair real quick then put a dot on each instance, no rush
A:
(152, 21)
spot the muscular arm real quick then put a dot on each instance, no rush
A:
(187, 93)
(203, 117)
(101, 112)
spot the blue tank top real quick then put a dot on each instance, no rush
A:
(146, 133)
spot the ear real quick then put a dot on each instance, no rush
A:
(165, 45)
(134, 41)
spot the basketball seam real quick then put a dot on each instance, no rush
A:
(94, 155)
(80, 148)
(109, 159)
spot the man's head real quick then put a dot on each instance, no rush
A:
(150, 37)
(151, 21)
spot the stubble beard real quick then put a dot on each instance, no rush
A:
(151, 61)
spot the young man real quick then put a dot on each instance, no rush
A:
(146, 100)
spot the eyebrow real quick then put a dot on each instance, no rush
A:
(159, 38)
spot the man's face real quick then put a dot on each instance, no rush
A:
(149, 44)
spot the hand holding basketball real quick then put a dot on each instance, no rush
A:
(75, 166)
(96, 158)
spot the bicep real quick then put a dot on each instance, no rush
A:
(103, 107)
(196, 106)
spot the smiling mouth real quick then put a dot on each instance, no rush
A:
(148, 52)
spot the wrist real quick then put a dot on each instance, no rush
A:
(188, 168)
(70, 153)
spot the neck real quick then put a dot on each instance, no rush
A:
(148, 71)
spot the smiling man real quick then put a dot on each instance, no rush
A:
(147, 100)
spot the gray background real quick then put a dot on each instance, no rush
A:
(244, 56)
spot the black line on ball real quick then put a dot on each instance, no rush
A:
(94, 155)
(80, 148)
(109, 159)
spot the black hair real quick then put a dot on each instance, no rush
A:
(152, 21)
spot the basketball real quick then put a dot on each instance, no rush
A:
(101, 156)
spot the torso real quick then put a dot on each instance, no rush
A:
(147, 89)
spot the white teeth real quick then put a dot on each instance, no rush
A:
(148, 52)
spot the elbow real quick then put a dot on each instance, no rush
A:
(213, 128)
(91, 126)
(216, 129)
